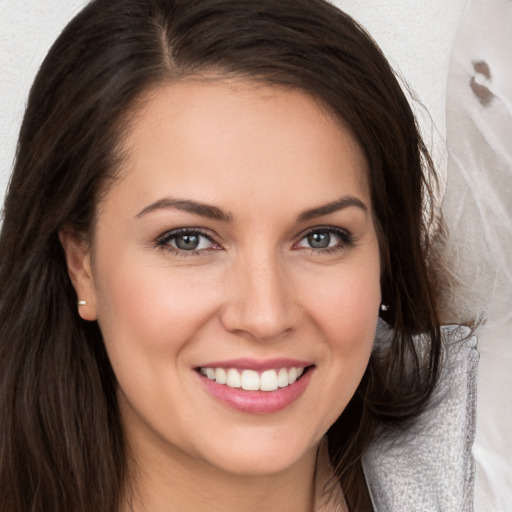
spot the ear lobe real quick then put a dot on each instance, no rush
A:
(78, 260)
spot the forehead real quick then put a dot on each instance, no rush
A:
(211, 138)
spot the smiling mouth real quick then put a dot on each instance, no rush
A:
(251, 380)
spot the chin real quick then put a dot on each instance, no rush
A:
(261, 453)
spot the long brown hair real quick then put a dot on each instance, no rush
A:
(61, 439)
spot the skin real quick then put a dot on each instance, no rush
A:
(261, 155)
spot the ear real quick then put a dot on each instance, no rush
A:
(78, 260)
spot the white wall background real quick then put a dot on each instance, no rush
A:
(27, 30)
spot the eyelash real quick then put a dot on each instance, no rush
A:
(346, 240)
(164, 240)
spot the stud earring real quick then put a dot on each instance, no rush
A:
(82, 303)
(383, 307)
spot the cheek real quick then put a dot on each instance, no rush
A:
(148, 318)
(152, 309)
(347, 303)
(346, 310)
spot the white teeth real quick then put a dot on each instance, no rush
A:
(282, 378)
(233, 379)
(220, 375)
(268, 380)
(251, 380)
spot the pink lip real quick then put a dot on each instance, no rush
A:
(257, 402)
(258, 365)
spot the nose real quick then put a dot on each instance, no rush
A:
(262, 304)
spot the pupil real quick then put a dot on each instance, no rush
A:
(187, 242)
(319, 240)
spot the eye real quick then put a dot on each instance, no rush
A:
(326, 239)
(187, 240)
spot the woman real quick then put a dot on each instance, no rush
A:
(212, 203)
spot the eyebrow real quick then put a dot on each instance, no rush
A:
(334, 206)
(202, 209)
(212, 212)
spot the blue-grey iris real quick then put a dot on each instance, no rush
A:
(187, 242)
(319, 239)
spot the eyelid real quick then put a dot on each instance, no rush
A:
(164, 239)
(347, 238)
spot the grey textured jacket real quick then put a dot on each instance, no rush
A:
(429, 468)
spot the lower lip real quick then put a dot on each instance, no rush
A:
(257, 402)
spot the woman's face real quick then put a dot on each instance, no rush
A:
(237, 248)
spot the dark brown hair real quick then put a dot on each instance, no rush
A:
(61, 440)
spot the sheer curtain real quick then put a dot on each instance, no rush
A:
(478, 210)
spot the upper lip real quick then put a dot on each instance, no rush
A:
(259, 365)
